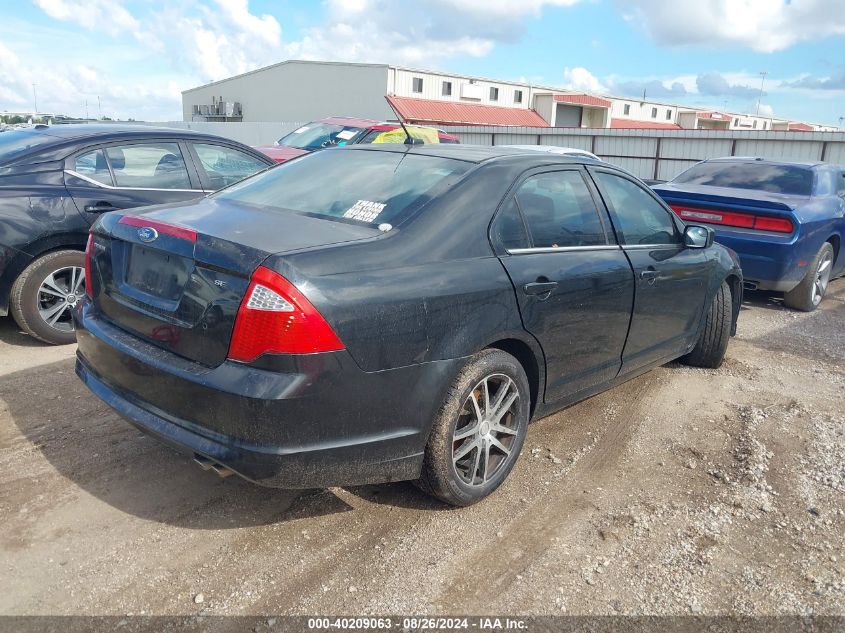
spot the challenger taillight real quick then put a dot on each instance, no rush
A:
(733, 218)
(89, 253)
(276, 318)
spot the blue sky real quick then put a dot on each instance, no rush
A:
(137, 55)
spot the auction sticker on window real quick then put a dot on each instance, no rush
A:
(364, 210)
(346, 134)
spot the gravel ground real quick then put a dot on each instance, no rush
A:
(682, 491)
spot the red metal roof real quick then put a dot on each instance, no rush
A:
(800, 127)
(582, 99)
(627, 124)
(431, 112)
(716, 116)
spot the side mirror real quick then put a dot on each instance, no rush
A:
(698, 236)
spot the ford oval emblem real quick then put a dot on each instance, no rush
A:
(147, 234)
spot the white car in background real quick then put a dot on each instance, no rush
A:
(554, 149)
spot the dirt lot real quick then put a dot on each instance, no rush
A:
(683, 491)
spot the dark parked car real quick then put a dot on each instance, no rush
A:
(383, 313)
(785, 220)
(55, 181)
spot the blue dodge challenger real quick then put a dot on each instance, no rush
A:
(785, 220)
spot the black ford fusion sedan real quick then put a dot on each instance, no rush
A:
(55, 181)
(379, 314)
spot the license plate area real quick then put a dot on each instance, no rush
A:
(157, 273)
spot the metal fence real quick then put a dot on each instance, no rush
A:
(658, 154)
(662, 154)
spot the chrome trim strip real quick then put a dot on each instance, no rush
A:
(105, 186)
(562, 249)
(651, 247)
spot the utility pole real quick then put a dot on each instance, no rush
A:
(86, 109)
(99, 109)
(763, 74)
(35, 98)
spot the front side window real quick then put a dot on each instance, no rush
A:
(318, 135)
(225, 166)
(559, 210)
(93, 165)
(354, 186)
(638, 218)
(149, 166)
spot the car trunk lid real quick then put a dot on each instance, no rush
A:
(175, 276)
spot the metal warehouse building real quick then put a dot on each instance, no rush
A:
(307, 90)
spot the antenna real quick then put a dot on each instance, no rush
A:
(409, 140)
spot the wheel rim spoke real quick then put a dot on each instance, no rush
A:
(50, 283)
(479, 416)
(486, 450)
(58, 294)
(501, 428)
(80, 282)
(495, 442)
(465, 432)
(53, 313)
(464, 450)
(504, 408)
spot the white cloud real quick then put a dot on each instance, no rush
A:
(763, 25)
(92, 14)
(582, 79)
(766, 110)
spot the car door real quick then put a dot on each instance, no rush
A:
(221, 165)
(671, 279)
(129, 174)
(574, 285)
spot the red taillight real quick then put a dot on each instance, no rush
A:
(89, 248)
(163, 228)
(276, 318)
(733, 218)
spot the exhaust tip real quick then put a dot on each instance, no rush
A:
(209, 464)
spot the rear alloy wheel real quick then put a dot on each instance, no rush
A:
(479, 433)
(45, 294)
(807, 295)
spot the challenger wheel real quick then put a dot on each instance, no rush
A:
(478, 434)
(44, 295)
(807, 295)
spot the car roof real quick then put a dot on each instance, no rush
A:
(85, 130)
(348, 120)
(474, 153)
(766, 161)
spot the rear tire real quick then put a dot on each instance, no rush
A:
(807, 295)
(479, 431)
(45, 294)
(712, 343)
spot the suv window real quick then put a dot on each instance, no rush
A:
(638, 217)
(93, 165)
(149, 166)
(559, 210)
(224, 165)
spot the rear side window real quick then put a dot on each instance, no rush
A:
(93, 165)
(509, 229)
(149, 166)
(637, 216)
(559, 210)
(225, 166)
(786, 179)
(357, 186)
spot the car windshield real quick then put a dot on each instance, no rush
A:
(316, 135)
(360, 187)
(15, 142)
(786, 179)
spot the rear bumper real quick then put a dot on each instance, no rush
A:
(319, 422)
(772, 263)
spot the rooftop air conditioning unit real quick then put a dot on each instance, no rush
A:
(238, 109)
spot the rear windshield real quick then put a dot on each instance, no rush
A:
(360, 187)
(318, 135)
(786, 179)
(15, 142)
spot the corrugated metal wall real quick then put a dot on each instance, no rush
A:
(663, 154)
(658, 154)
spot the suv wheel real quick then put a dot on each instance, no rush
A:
(478, 434)
(807, 295)
(44, 295)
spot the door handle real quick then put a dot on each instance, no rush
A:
(539, 287)
(649, 274)
(100, 207)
